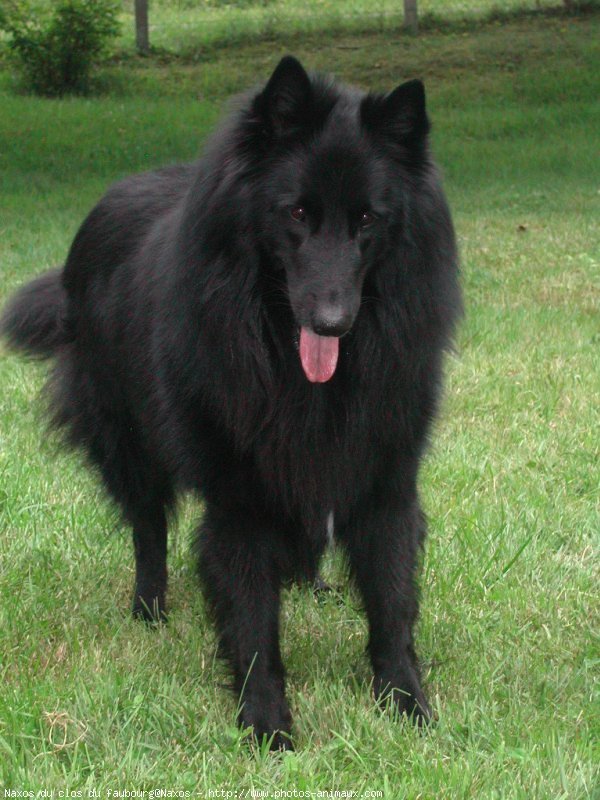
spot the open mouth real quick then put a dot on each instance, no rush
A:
(318, 355)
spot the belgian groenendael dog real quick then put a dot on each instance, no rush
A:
(267, 327)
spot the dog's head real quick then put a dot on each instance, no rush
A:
(338, 167)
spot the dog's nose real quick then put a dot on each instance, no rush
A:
(332, 321)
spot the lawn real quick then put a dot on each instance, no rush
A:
(191, 26)
(91, 700)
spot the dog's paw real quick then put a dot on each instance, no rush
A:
(405, 696)
(268, 716)
(151, 610)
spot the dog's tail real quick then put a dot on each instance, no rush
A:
(34, 319)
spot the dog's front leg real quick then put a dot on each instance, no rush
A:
(383, 543)
(241, 578)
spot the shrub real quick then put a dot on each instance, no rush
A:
(55, 48)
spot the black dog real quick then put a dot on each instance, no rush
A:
(266, 327)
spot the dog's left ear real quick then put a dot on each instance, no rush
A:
(399, 115)
(285, 100)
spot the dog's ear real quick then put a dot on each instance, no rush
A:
(284, 103)
(399, 115)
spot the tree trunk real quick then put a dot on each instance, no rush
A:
(411, 23)
(142, 39)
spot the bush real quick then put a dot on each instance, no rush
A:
(55, 48)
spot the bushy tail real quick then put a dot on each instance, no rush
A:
(33, 320)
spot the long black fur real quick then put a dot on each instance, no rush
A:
(174, 327)
(33, 320)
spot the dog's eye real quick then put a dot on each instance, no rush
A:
(298, 213)
(366, 219)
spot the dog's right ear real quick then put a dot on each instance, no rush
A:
(284, 103)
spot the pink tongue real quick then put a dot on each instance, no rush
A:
(319, 355)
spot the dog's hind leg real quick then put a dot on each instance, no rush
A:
(240, 570)
(144, 501)
(145, 498)
(144, 493)
(150, 548)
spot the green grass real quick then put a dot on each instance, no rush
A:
(190, 26)
(508, 631)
